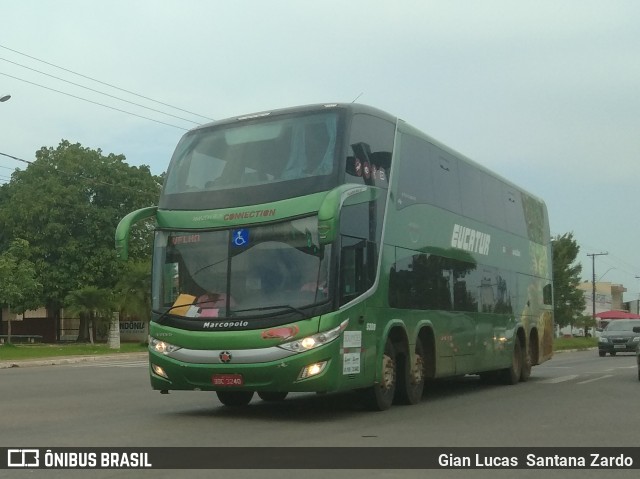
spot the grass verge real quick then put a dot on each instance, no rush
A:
(41, 351)
(562, 344)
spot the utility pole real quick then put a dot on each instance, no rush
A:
(593, 284)
(638, 303)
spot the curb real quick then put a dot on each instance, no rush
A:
(55, 361)
(595, 348)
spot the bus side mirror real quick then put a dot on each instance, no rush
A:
(124, 229)
(329, 211)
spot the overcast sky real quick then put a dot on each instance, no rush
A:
(545, 92)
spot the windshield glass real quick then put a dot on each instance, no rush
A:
(622, 325)
(255, 152)
(243, 272)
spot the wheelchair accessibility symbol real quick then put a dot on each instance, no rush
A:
(240, 237)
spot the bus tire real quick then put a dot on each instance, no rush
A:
(235, 398)
(379, 397)
(411, 379)
(527, 364)
(511, 375)
(272, 396)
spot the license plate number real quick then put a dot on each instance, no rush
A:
(619, 346)
(227, 380)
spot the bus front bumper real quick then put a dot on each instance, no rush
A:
(310, 371)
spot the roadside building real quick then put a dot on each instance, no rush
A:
(609, 296)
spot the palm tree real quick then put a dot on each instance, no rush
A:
(89, 303)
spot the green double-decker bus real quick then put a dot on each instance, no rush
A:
(334, 247)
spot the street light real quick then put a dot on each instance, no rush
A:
(603, 275)
(5, 98)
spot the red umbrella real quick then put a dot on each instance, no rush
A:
(614, 314)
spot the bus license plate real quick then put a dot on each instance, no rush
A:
(227, 380)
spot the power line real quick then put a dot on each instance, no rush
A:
(617, 259)
(16, 158)
(105, 83)
(98, 91)
(94, 102)
(113, 185)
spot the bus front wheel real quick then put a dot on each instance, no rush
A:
(271, 396)
(379, 397)
(527, 364)
(235, 398)
(511, 375)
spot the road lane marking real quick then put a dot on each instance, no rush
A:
(596, 379)
(559, 379)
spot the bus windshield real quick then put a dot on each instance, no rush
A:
(244, 272)
(254, 152)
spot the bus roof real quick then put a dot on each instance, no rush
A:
(350, 107)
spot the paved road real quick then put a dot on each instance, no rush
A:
(577, 399)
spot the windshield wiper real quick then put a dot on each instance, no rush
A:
(163, 314)
(282, 306)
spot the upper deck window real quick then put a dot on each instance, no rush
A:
(254, 152)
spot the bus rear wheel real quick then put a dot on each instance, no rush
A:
(411, 379)
(235, 398)
(379, 397)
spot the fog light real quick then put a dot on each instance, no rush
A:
(158, 371)
(312, 370)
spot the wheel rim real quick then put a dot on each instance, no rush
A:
(417, 373)
(388, 373)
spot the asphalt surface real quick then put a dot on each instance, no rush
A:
(53, 361)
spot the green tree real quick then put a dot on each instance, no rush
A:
(19, 288)
(569, 301)
(90, 304)
(67, 204)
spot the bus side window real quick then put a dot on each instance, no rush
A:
(547, 294)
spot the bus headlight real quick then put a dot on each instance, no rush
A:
(315, 341)
(161, 347)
